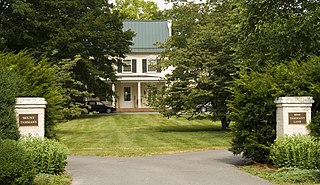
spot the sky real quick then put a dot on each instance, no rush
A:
(161, 4)
(164, 5)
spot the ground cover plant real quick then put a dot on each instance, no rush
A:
(283, 176)
(140, 135)
(48, 179)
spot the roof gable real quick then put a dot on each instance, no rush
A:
(147, 33)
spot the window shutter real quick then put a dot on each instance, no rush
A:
(158, 66)
(120, 67)
(144, 65)
(134, 65)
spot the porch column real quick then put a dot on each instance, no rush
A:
(139, 94)
(113, 97)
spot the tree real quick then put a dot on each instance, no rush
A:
(9, 89)
(201, 55)
(138, 9)
(63, 29)
(273, 31)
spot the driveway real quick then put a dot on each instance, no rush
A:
(215, 167)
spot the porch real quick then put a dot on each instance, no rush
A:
(132, 96)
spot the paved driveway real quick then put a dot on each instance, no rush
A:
(214, 167)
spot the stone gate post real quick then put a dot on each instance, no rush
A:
(30, 116)
(293, 115)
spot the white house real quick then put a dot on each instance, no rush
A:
(140, 65)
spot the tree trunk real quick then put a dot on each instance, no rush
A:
(224, 122)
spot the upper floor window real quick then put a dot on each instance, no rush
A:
(127, 66)
(152, 65)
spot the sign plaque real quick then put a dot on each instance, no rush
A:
(297, 118)
(28, 120)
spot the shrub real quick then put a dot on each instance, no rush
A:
(254, 113)
(296, 151)
(9, 86)
(16, 166)
(48, 155)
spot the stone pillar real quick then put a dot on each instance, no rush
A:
(293, 115)
(30, 116)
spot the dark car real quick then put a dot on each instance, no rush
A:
(206, 108)
(99, 106)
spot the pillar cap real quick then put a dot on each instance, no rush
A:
(294, 100)
(31, 101)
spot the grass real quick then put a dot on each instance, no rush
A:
(47, 179)
(284, 176)
(128, 135)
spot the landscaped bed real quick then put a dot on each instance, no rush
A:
(127, 135)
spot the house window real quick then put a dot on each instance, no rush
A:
(127, 66)
(152, 65)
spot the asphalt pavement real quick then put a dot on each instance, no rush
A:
(214, 167)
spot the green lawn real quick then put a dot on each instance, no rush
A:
(140, 135)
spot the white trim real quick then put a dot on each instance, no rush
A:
(170, 27)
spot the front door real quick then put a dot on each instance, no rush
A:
(127, 101)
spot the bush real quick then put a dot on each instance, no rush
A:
(16, 164)
(296, 151)
(9, 87)
(253, 111)
(48, 155)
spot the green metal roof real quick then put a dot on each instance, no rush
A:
(147, 33)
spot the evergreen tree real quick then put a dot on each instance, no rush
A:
(9, 88)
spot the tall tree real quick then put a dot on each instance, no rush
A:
(201, 55)
(138, 9)
(273, 31)
(63, 29)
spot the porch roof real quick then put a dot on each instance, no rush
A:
(140, 79)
